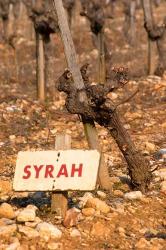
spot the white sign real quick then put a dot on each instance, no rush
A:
(56, 170)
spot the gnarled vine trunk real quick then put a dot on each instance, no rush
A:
(101, 110)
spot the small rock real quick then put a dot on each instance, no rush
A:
(54, 245)
(4, 198)
(84, 199)
(162, 174)
(88, 211)
(6, 211)
(98, 205)
(161, 154)
(6, 222)
(151, 232)
(150, 147)
(134, 195)
(12, 137)
(119, 208)
(75, 233)
(13, 246)
(127, 126)
(113, 96)
(72, 217)
(29, 232)
(101, 194)
(118, 193)
(7, 231)
(33, 207)
(5, 187)
(34, 223)
(48, 230)
(27, 214)
(121, 230)
(163, 187)
(146, 200)
(142, 244)
(100, 230)
(114, 179)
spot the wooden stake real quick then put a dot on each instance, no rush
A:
(10, 24)
(71, 57)
(133, 21)
(59, 199)
(148, 16)
(102, 67)
(40, 72)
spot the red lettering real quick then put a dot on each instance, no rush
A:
(49, 170)
(27, 172)
(37, 169)
(63, 171)
(74, 169)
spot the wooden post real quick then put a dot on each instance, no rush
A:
(102, 67)
(40, 65)
(151, 57)
(10, 24)
(59, 199)
(71, 57)
(148, 16)
(132, 21)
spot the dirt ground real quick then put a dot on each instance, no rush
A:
(28, 125)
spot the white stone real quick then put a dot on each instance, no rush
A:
(134, 195)
(101, 194)
(150, 147)
(34, 223)
(27, 231)
(33, 207)
(162, 175)
(84, 199)
(6, 222)
(98, 205)
(163, 186)
(48, 229)
(7, 231)
(75, 233)
(54, 245)
(6, 211)
(12, 137)
(4, 198)
(13, 246)
(26, 215)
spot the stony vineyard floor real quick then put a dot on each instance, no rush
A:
(116, 219)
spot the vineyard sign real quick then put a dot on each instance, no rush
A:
(56, 170)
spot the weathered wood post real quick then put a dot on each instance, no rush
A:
(59, 199)
(148, 16)
(71, 57)
(133, 21)
(40, 67)
(130, 21)
(10, 25)
(44, 24)
(101, 51)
